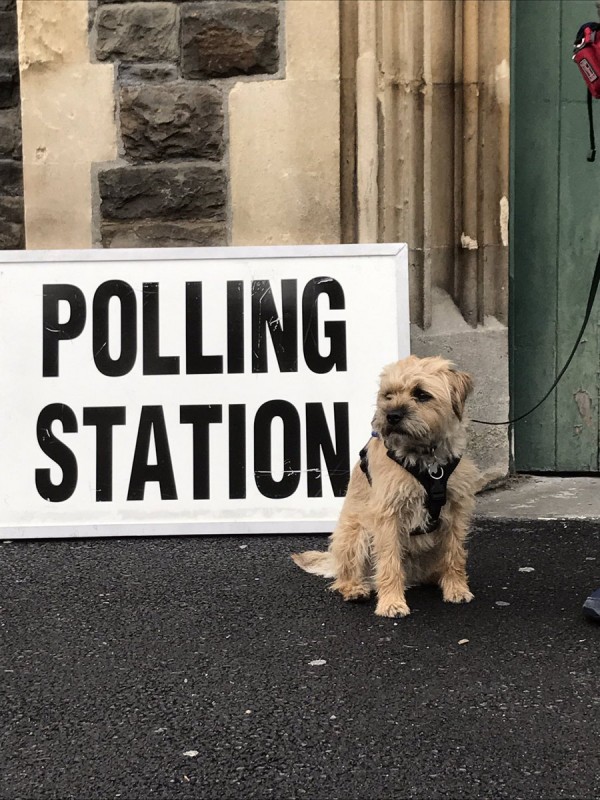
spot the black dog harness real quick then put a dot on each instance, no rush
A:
(434, 481)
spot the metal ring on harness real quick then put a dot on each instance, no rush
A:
(436, 476)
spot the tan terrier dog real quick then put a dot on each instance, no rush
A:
(411, 496)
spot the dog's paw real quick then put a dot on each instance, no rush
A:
(392, 608)
(352, 591)
(457, 594)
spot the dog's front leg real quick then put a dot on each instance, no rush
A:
(389, 569)
(452, 570)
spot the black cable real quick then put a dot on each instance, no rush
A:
(588, 311)
(592, 153)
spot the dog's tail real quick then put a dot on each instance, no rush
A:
(316, 562)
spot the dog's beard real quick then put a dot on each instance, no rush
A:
(409, 435)
(416, 443)
(408, 431)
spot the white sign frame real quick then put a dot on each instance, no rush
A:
(388, 289)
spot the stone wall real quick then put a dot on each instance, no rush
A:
(11, 170)
(176, 63)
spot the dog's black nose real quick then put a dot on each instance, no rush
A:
(396, 416)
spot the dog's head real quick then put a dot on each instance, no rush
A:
(420, 405)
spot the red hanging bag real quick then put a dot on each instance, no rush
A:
(586, 54)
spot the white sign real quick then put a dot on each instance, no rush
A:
(218, 390)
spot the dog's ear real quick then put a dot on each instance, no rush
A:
(461, 386)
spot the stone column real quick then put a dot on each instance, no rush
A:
(68, 121)
(425, 98)
(285, 138)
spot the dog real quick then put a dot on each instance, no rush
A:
(407, 510)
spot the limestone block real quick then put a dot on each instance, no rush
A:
(68, 117)
(156, 233)
(287, 192)
(57, 209)
(181, 191)
(52, 32)
(180, 120)
(10, 134)
(138, 32)
(219, 40)
(312, 40)
(68, 114)
(284, 138)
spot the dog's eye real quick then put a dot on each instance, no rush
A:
(421, 396)
(388, 396)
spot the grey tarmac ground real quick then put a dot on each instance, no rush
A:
(214, 668)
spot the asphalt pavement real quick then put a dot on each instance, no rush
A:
(214, 668)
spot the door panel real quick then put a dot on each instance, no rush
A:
(555, 228)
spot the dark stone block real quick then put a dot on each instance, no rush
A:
(9, 5)
(8, 32)
(147, 73)
(182, 191)
(9, 83)
(219, 40)
(138, 32)
(11, 209)
(11, 178)
(10, 134)
(158, 233)
(12, 236)
(180, 120)
(12, 229)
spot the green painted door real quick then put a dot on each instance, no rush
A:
(555, 237)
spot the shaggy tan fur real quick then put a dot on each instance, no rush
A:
(371, 546)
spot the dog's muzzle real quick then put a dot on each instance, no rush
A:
(395, 417)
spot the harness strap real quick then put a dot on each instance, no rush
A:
(434, 484)
(364, 463)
